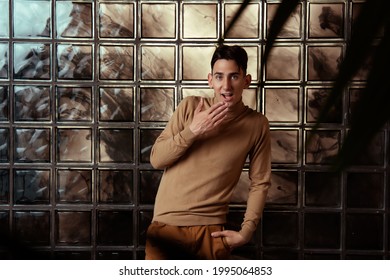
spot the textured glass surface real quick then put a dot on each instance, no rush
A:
(4, 222)
(74, 20)
(116, 104)
(33, 227)
(74, 145)
(74, 104)
(326, 20)
(149, 182)
(145, 217)
(147, 137)
(4, 103)
(115, 186)
(247, 26)
(74, 62)
(364, 231)
(322, 147)
(116, 62)
(281, 104)
(158, 63)
(4, 186)
(323, 62)
(199, 20)
(32, 103)
(316, 99)
(284, 188)
(32, 61)
(158, 20)
(32, 145)
(116, 145)
(116, 20)
(156, 104)
(32, 186)
(322, 230)
(115, 228)
(4, 145)
(322, 189)
(194, 67)
(284, 146)
(280, 229)
(367, 185)
(279, 57)
(293, 26)
(4, 63)
(73, 227)
(4, 19)
(74, 186)
(32, 18)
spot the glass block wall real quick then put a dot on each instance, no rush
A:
(87, 86)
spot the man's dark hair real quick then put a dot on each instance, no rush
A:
(236, 53)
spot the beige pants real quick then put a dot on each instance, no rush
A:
(166, 242)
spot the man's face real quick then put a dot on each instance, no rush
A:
(228, 81)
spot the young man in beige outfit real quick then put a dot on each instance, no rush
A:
(202, 151)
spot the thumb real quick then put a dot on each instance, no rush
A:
(200, 106)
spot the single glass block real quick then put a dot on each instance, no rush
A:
(74, 103)
(32, 186)
(74, 145)
(116, 104)
(253, 62)
(4, 186)
(74, 62)
(149, 182)
(365, 190)
(248, 24)
(282, 105)
(4, 145)
(322, 230)
(326, 20)
(322, 189)
(32, 227)
(74, 20)
(74, 186)
(322, 147)
(115, 186)
(158, 20)
(284, 188)
(292, 29)
(279, 57)
(32, 145)
(116, 145)
(115, 228)
(364, 231)
(3, 60)
(280, 229)
(116, 62)
(145, 218)
(284, 146)
(32, 61)
(158, 63)
(73, 228)
(196, 62)
(4, 223)
(373, 153)
(32, 19)
(315, 102)
(32, 103)
(115, 255)
(323, 62)
(148, 137)
(199, 21)
(116, 20)
(365, 66)
(156, 104)
(4, 19)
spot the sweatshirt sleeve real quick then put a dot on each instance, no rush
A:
(175, 139)
(260, 176)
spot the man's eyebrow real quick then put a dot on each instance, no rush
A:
(232, 73)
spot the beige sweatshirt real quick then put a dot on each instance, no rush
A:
(201, 172)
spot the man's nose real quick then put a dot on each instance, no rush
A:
(227, 83)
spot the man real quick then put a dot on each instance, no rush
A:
(202, 151)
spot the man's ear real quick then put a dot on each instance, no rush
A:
(210, 79)
(248, 79)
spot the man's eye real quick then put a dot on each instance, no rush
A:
(218, 77)
(234, 77)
